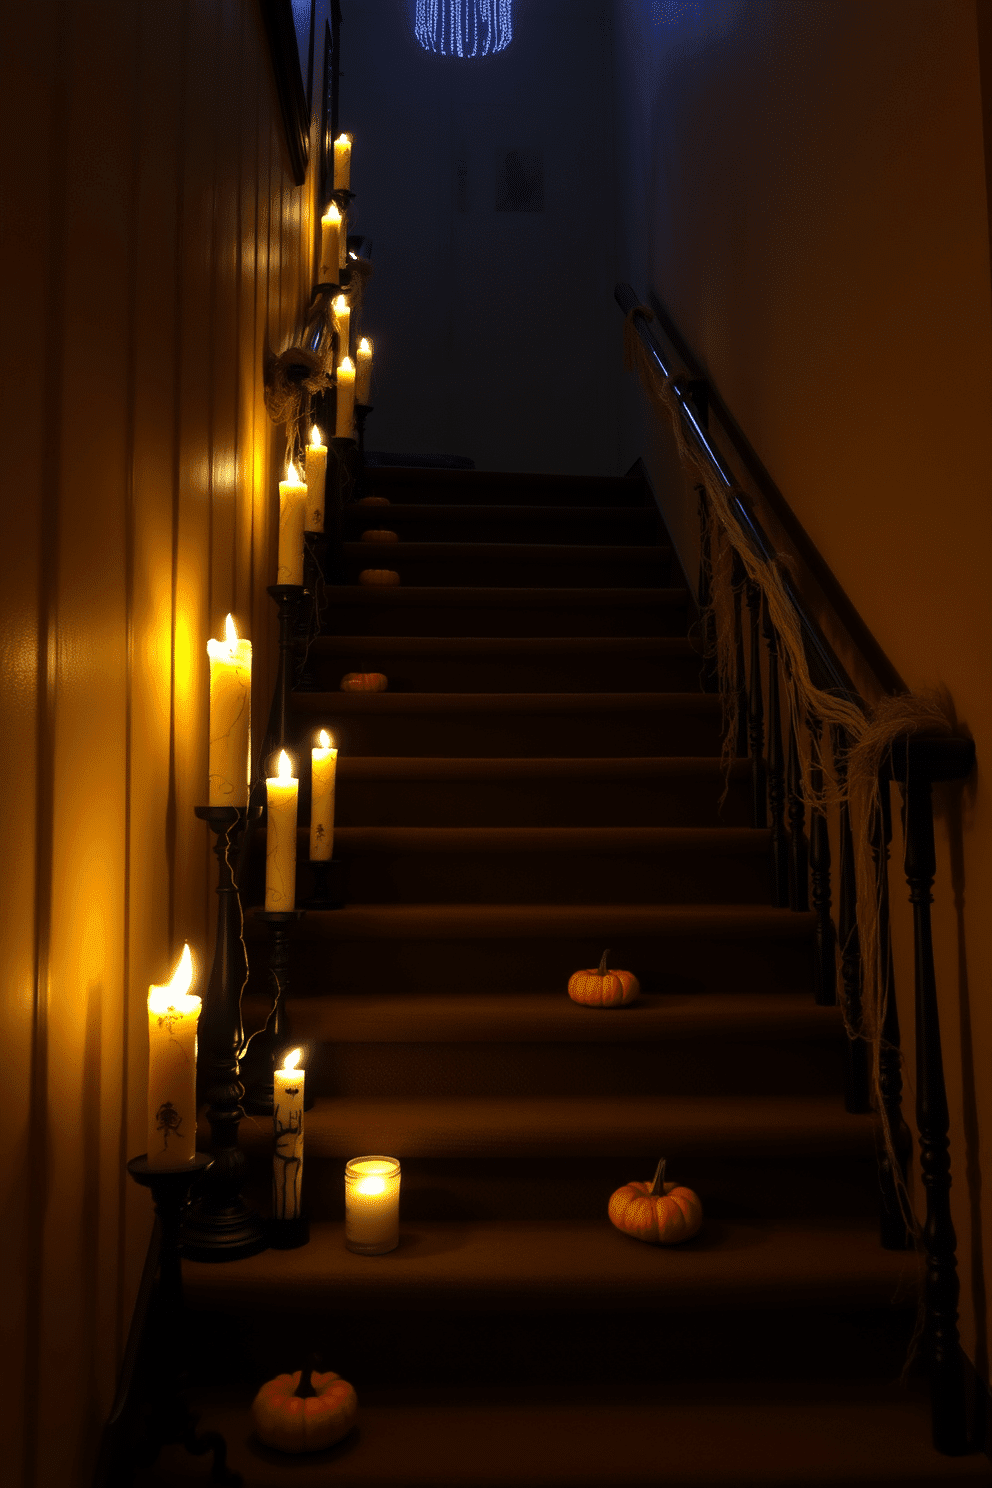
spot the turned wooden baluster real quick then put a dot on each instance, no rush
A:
(824, 935)
(856, 1082)
(950, 1432)
(755, 711)
(704, 594)
(740, 670)
(776, 770)
(798, 841)
(894, 1232)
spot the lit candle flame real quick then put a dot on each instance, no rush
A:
(231, 632)
(292, 1059)
(291, 476)
(325, 739)
(372, 1186)
(340, 305)
(353, 254)
(284, 770)
(332, 214)
(174, 997)
(344, 139)
(346, 365)
(316, 437)
(365, 345)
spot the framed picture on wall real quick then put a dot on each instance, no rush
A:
(289, 27)
(330, 87)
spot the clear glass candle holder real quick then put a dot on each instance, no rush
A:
(372, 1205)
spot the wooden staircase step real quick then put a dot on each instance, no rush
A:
(561, 1265)
(479, 523)
(509, 663)
(553, 565)
(744, 1435)
(580, 1126)
(443, 790)
(359, 609)
(504, 488)
(515, 723)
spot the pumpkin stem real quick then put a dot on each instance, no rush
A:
(658, 1186)
(602, 964)
(305, 1388)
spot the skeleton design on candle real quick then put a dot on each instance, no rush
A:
(287, 1125)
(168, 1120)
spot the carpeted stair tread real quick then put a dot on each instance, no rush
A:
(450, 767)
(569, 517)
(862, 1435)
(582, 1126)
(563, 1264)
(373, 554)
(729, 841)
(503, 488)
(511, 646)
(385, 703)
(521, 597)
(482, 921)
(551, 1017)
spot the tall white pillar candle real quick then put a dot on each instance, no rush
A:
(281, 796)
(342, 162)
(372, 1205)
(287, 1122)
(345, 418)
(230, 719)
(363, 371)
(292, 515)
(331, 234)
(323, 771)
(342, 324)
(172, 1015)
(316, 481)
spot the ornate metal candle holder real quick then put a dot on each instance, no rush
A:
(314, 561)
(278, 1038)
(221, 1227)
(169, 1420)
(342, 197)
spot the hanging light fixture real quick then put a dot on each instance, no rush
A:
(464, 28)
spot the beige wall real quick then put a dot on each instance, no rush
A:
(153, 242)
(805, 189)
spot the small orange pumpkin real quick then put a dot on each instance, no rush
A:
(598, 987)
(660, 1213)
(304, 1411)
(378, 576)
(373, 501)
(364, 682)
(380, 535)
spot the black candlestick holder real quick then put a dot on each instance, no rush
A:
(314, 562)
(362, 411)
(221, 1227)
(342, 197)
(278, 1038)
(328, 886)
(169, 1420)
(289, 600)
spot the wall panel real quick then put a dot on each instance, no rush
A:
(160, 244)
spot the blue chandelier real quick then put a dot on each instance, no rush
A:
(464, 28)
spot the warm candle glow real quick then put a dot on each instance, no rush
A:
(323, 771)
(292, 1059)
(230, 718)
(325, 739)
(341, 305)
(372, 1186)
(284, 769)
(347, 366)
(291, 474)
(316, 438)
(372, 1204)
(365, 345)
(174, 997)
(231, 631)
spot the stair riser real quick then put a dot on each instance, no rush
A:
(552, 878)
(640, 573)
(682, 965)
(617, 732)
(508, 674)
(477, 488)
(505, 620)
(688, 801)
(625, 528)
(577, 1190)
(683, 1067)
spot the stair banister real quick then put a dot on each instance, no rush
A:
(915, 762)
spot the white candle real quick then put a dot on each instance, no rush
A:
(230, 719)
(345, 418)
(342, 162)
(323, 770)
(331, 235)
(342, 324)
(292, 514)
(282, 796)
(172, 1015)
(287, 1122)
(372, 1205)
(316, 480)
(363, 374)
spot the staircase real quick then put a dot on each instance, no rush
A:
(543, 781)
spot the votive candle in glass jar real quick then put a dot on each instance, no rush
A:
(372, 1205)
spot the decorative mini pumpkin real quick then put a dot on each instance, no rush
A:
(378, 576)
(379, 534)
(660, 1213)
(602, 988)
(364, 682)
(304, 1411)
(373, 501)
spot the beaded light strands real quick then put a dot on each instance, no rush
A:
(464, 28)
